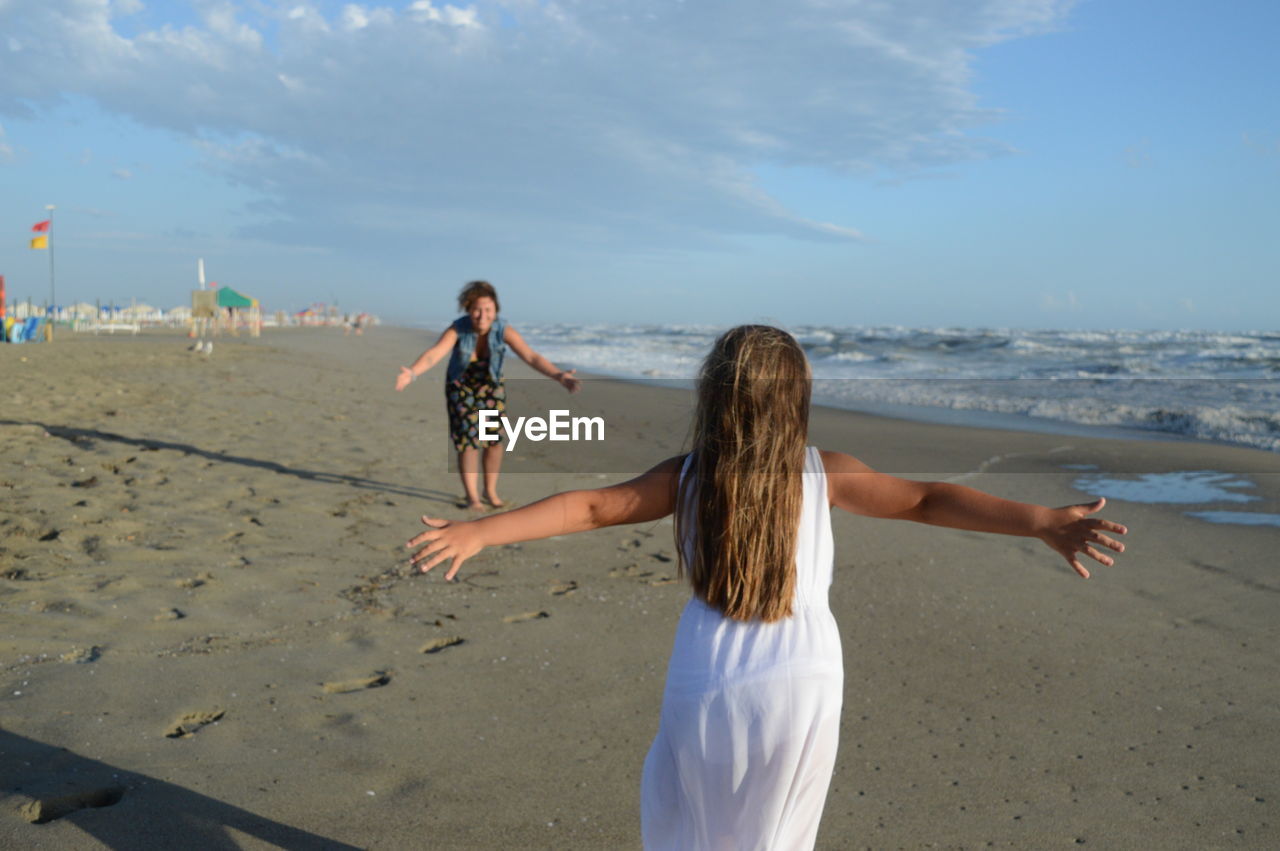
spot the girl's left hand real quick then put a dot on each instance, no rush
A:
(1071, 531)
(446, 539)
(569, 381)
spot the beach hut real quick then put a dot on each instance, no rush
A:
(141, 313)
(81, 310)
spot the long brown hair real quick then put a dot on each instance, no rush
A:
(744, 489)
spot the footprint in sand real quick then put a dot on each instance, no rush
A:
(82, 655)
(46, 809)
(630, 571)
(435, 645)
(563, 588)
(61, 607)
(188, 724)
(525, 616)
(374, 680)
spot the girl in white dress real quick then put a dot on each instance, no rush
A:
(750, 718)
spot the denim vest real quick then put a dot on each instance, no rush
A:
(465, 348)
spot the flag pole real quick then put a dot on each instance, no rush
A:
(53, 293)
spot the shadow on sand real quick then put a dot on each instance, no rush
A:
(40, 783)
(86, 437)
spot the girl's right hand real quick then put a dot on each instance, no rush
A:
(445, 539)
(569, 381)
(405, 378)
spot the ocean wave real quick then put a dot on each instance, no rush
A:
(1207, 385)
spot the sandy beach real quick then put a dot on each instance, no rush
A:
(209, 637)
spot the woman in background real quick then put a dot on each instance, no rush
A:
(477, 343)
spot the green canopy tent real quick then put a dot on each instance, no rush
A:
(228, 297)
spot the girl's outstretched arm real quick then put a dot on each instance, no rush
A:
(564, 378)
(644, 498)
(1069, 530)
(427, 359)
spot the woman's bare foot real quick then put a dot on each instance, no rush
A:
(493, 500)
(475, 506)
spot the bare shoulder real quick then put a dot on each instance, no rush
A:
(836, 463)
(447, 338)
(858, 489)
(671, 466)
(513, 338)
(664, 475)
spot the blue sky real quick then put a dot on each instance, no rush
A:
(1032, 163)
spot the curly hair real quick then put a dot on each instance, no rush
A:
(475, 291)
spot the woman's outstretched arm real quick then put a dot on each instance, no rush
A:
(518, 345)
(427, 359)
(1068, 530)
(645, 498)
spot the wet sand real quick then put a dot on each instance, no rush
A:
(208, 637)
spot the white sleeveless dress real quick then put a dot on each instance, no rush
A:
(751, 713)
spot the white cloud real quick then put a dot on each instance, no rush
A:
(122, 173)
(423, 10)
(355, 17)
(595, 124)
(220, 18)
(309, 18)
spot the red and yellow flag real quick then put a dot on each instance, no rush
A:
(41, 227)
(40, 242)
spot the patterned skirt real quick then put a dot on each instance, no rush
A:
(466, 397)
